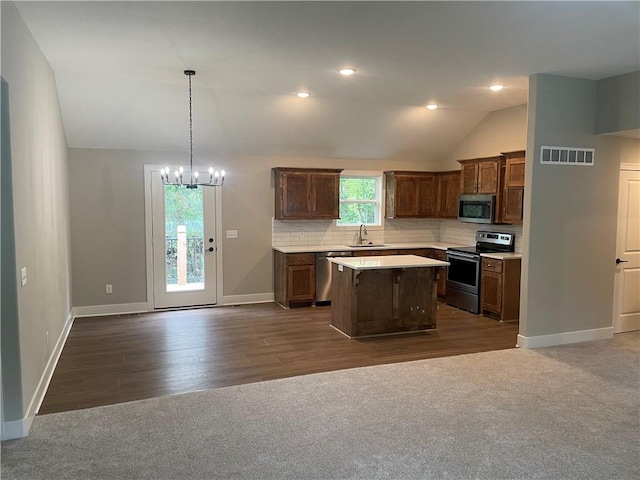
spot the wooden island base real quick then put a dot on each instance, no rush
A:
(384, 301)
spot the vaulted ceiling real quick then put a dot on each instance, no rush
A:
(119, 70)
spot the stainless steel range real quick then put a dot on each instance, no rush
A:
(463, 273)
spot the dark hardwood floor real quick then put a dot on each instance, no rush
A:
(109, 360)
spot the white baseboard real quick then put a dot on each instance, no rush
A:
(250, 298)
(16, 429)
(114, 309)
(564, 338)
(20, 428)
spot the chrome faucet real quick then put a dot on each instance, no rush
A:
(361, 238)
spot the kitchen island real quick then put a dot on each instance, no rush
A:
(381, 295)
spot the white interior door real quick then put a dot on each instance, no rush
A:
(183, 245)
(626, 316)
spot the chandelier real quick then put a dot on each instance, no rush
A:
(192, 179)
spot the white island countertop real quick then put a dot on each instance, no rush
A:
(387, 261)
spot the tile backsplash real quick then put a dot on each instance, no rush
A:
(287, 233)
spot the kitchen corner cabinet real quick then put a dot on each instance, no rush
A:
(422, 194)
(294, 278)
(500, 288)
(481, 175)
(307, 193)
(513, 195)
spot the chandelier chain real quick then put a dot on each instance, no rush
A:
(190, 127)
(216, 178)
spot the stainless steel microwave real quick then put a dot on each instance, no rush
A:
(476, 208)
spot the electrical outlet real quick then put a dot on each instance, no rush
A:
(46, 335)
(23, 275)
(109, 288)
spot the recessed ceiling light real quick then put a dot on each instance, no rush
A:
(347, 71)
(496, 88)
(303, 94)
(432, 106)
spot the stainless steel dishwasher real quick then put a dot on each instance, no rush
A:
(323, 275)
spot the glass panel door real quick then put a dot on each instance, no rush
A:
(184, 238)
(184, 244)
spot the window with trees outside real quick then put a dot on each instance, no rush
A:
(360, 198)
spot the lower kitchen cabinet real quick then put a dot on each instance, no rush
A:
(374, 253)
(436, 254)
(500, 288)
(294, 278)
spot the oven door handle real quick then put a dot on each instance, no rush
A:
(462, 255)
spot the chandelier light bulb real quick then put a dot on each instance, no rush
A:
(177, 174)
(222, 173)
(195, 174)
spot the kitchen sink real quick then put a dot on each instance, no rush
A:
(367, 245)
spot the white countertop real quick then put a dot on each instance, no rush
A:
(503, 255)
(346, 248)
(387, 261)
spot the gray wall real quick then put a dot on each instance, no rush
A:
(618, 103)
(40, 206)
(500, 131)
(570, 226)
(107, 218)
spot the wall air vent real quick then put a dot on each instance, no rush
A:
(567, 156)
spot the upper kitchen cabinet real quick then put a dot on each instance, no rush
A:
(481, 175)
(448, 193)
(304, 193)
(410, 194)
(513, 197)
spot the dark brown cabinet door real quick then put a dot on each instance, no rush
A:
(491, 292)
(405, 196)
(513, 196)
(469, 173)
(515, 172)
(442, 276)
(427, 193)
(325, 194)
(513, 202)
(488, 177)
(448, 193)
(301, 283)
(296, 188)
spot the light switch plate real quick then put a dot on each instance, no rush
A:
(232, 233)
(23, 272)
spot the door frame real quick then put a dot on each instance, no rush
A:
(148, 223)
(617, 294)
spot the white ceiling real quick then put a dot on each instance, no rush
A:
(119, 69)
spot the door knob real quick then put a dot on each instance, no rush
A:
(619, 261)
(210, 249)
(210, 239)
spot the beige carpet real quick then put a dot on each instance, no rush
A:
(568, 412)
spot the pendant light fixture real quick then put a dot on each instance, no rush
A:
(192, 178)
